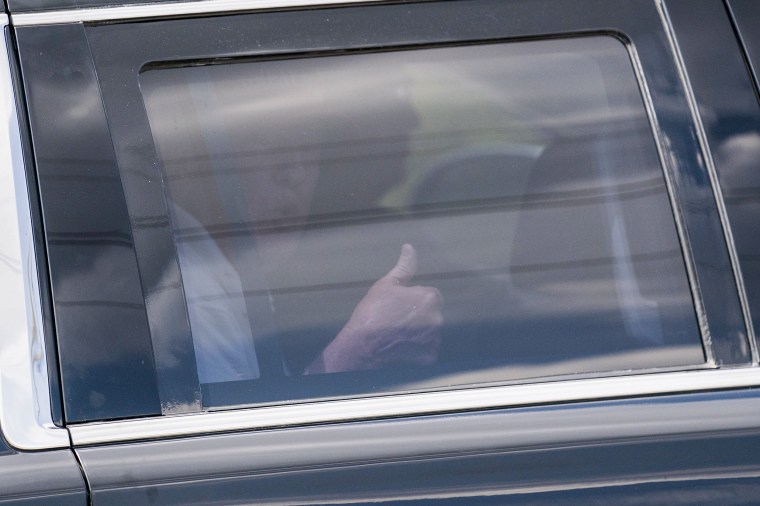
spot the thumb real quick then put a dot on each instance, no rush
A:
(406, 267)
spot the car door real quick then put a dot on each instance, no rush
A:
(546, 163)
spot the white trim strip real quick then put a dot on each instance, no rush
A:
(167, 9)
(414, 404)
(25, 415)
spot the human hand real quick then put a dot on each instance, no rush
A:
(394, 324)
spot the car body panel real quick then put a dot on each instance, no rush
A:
(37, 478)
(697, 448)
(95, 162)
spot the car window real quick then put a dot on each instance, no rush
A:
(745, 15)
(728, 107)
(420, 218)
(736, 158)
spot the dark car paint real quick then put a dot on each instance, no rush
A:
(4, 447)
(687, 449)
(86, 222)
(38, 238)
(39, 478)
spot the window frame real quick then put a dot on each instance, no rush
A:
(27, 385)
(276, 387)
(672, 119)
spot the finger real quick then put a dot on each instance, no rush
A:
(406, 266)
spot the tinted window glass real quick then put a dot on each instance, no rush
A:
(738, 140)
(419, 219)
(746, 15)
(728, 105)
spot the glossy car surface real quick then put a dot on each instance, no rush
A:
(101, 396)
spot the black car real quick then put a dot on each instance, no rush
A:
(329, 252)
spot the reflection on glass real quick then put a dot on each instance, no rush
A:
(419, 219)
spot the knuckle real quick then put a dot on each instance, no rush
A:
(430, 296)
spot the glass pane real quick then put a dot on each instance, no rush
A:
(419, 219)
(738, 139)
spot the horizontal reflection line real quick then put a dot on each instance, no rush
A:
(355, 218)
(59, 178)
(317, 148)
(90, 238)
(100, 303)
(470, 273)
(593, 262)
(90, 242)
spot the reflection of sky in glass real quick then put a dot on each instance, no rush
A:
(524, 174)
(355, 111)
(272, 108)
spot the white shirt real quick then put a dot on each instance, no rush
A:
(222, 337)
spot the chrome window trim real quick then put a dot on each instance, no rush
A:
(25, 414)
(143, 11)
(712, 172)
(678, 217)
(413, 404)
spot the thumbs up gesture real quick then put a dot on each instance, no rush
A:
(396, 323)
